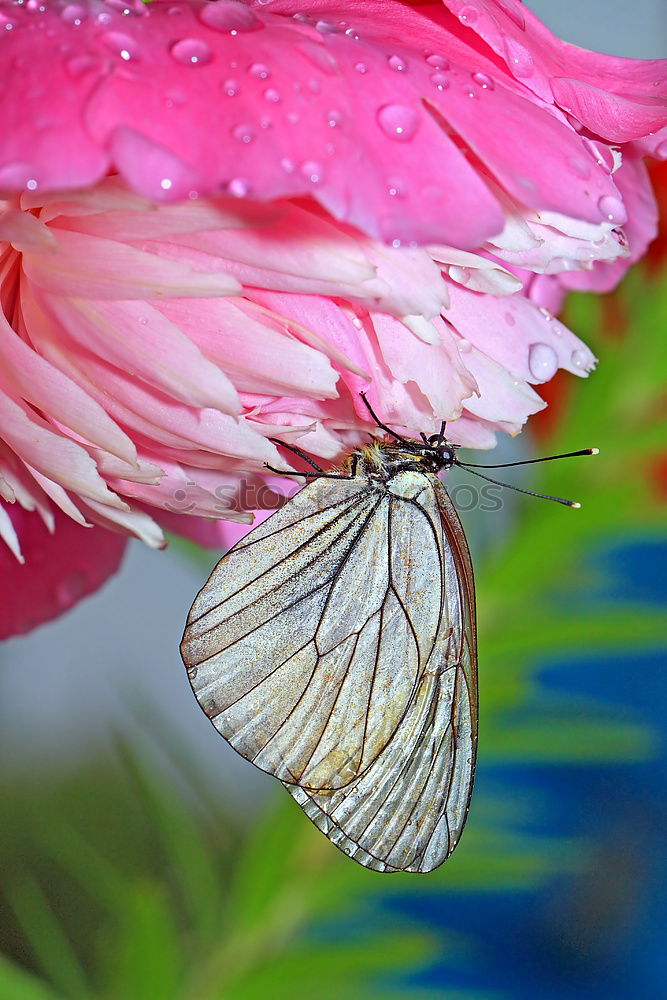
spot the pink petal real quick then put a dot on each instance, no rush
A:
(60, 569)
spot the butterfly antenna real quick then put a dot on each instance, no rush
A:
(530, 493)
(533, 461)
(379, 422)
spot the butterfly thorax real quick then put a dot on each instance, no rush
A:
(383, 459)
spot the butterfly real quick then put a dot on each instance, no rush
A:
(335, 648)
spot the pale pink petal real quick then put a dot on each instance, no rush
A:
(134, 336)
(528, 342)
(253, 353)
(109, 269)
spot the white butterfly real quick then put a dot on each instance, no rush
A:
(335, 648)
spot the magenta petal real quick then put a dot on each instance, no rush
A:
(59, 570)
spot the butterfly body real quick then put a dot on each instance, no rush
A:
(335, 648)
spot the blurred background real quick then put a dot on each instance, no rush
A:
(141, 859)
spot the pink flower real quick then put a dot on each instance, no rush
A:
(221, 220)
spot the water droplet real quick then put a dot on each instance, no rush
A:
(334, 118)
(509, 319)
(292, 117)
(229, 15)
(238, 187)
(166, 184)
(464, 346)
(548, 316)
(542, 361)
(471, 94)
(121, 45)
(440, 81)
(287, 165)
(231, 88)
(192, 673)
(579, 166)
(469, 15)
(313, 171)
(78, 65)
(484, 81)
(602, 154)
(461, 275)
(437, 61)
(74, 13)
(397, 187)
(191, 52)
(272, 95)
(327, 27)
(361, 67)
(398, 121)
(244, 133)
(259, 71)
(518, 58)
(71, 589)
(580, 359)
(398, 64)
(352, 33)
(613, 209)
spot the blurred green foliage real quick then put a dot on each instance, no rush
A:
(130, 881)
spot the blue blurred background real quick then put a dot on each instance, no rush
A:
(142, 858)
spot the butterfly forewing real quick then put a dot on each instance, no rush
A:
(334, 647)
(407, 811)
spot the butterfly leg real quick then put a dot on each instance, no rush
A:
(354, 461)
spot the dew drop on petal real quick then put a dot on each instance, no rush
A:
(580, 359)
(440, 81)
(327, 27)
(398, 121)
(287, 165)
(78, 65)
(244, 133)
(238, 187)
(461, 275)
(191, 52)
(361, 67)
(272, 95)
(121, 45)
(397, 187)
(398, 64)
(334, 118)
(518, 58)
(484, 81)
(313, 171)
(545, 312)
(74, 13)
(230, 87)
(229, 15)
(437, 61)
(192, 673)
(468, 14)
(464, 346)
(542, 361)
(601, 153)
(613, 209)
(259, 71)
(71, 589)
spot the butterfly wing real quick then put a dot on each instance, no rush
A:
(302, 647)
(407, 811)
